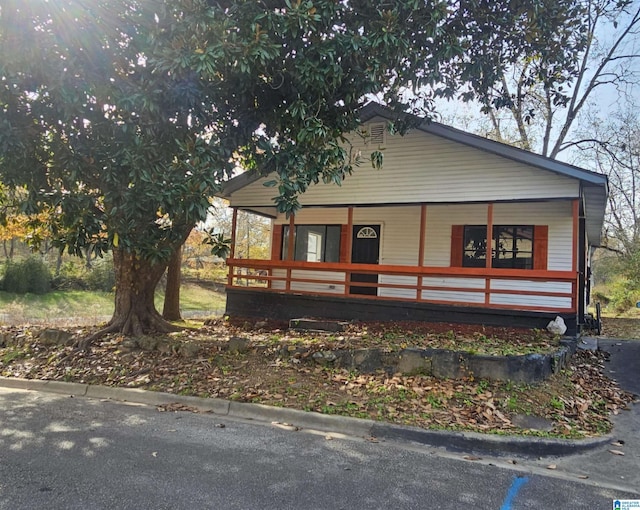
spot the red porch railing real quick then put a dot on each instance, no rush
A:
(536, 290)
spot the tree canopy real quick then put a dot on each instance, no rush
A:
(123, 116)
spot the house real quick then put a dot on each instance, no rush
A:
(453, 228)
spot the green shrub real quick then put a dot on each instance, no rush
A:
(75, 276)
(102, 276)
(71, 276)
(624, 295)
(68, 282)
(599, 295)
(30, 275)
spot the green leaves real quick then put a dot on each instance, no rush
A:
(128, 112)
(220, 245)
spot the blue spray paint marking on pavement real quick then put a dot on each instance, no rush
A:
(513, 491)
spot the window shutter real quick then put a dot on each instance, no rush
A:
(344, 243)
(457, 238)
(540, 246)
(276, 242)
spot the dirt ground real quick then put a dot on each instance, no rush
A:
(613, 327)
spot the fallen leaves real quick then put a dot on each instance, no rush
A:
(582, 397)
(285, 426)
(177, 406)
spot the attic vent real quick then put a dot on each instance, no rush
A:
(376, 134)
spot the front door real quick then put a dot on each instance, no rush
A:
(365, 250)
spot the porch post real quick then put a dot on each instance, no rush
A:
(350, 230)
(234, 224)
(576, 221)
(574, 254)
(347, 274)
(489, 255)
(421, 248)
(291, 240)
(290, 248)
(232, 249)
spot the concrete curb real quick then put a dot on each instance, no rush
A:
(455, 441)
(493, 444)
(305, 419)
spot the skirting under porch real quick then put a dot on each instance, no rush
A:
(249, 302)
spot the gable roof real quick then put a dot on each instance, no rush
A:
(594, 185)
(372, 110)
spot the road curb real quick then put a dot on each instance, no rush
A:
(451, 440)
(494, 444)
(65, 388)
(305, 419)
(155, 398)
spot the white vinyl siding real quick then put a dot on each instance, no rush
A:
(524, 300)
(454, 297)
(316, 216)
(399, 243)
(498, 298)
(439, 221)
(399, 235)
(420, 167)
(328, 288)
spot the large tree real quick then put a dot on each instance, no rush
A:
(549, 115)
(124, 116)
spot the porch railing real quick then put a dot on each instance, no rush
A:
(494, 288)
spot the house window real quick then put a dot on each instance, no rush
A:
(511, 246)
(313, 243)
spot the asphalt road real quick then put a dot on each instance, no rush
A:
(58, 452)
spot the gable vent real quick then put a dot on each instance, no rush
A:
(376, 134)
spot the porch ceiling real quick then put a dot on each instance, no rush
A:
(595, 202)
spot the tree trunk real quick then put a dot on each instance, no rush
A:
(171, 309)
(87, 257)
(135, 312)
(58, 263)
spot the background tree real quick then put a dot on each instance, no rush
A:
(123, 116)
(614, 150)
(542, 115)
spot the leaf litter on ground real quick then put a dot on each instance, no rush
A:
(578, 401)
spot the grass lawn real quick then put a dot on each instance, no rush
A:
(76, 307)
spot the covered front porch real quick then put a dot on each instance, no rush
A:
(543, 280)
